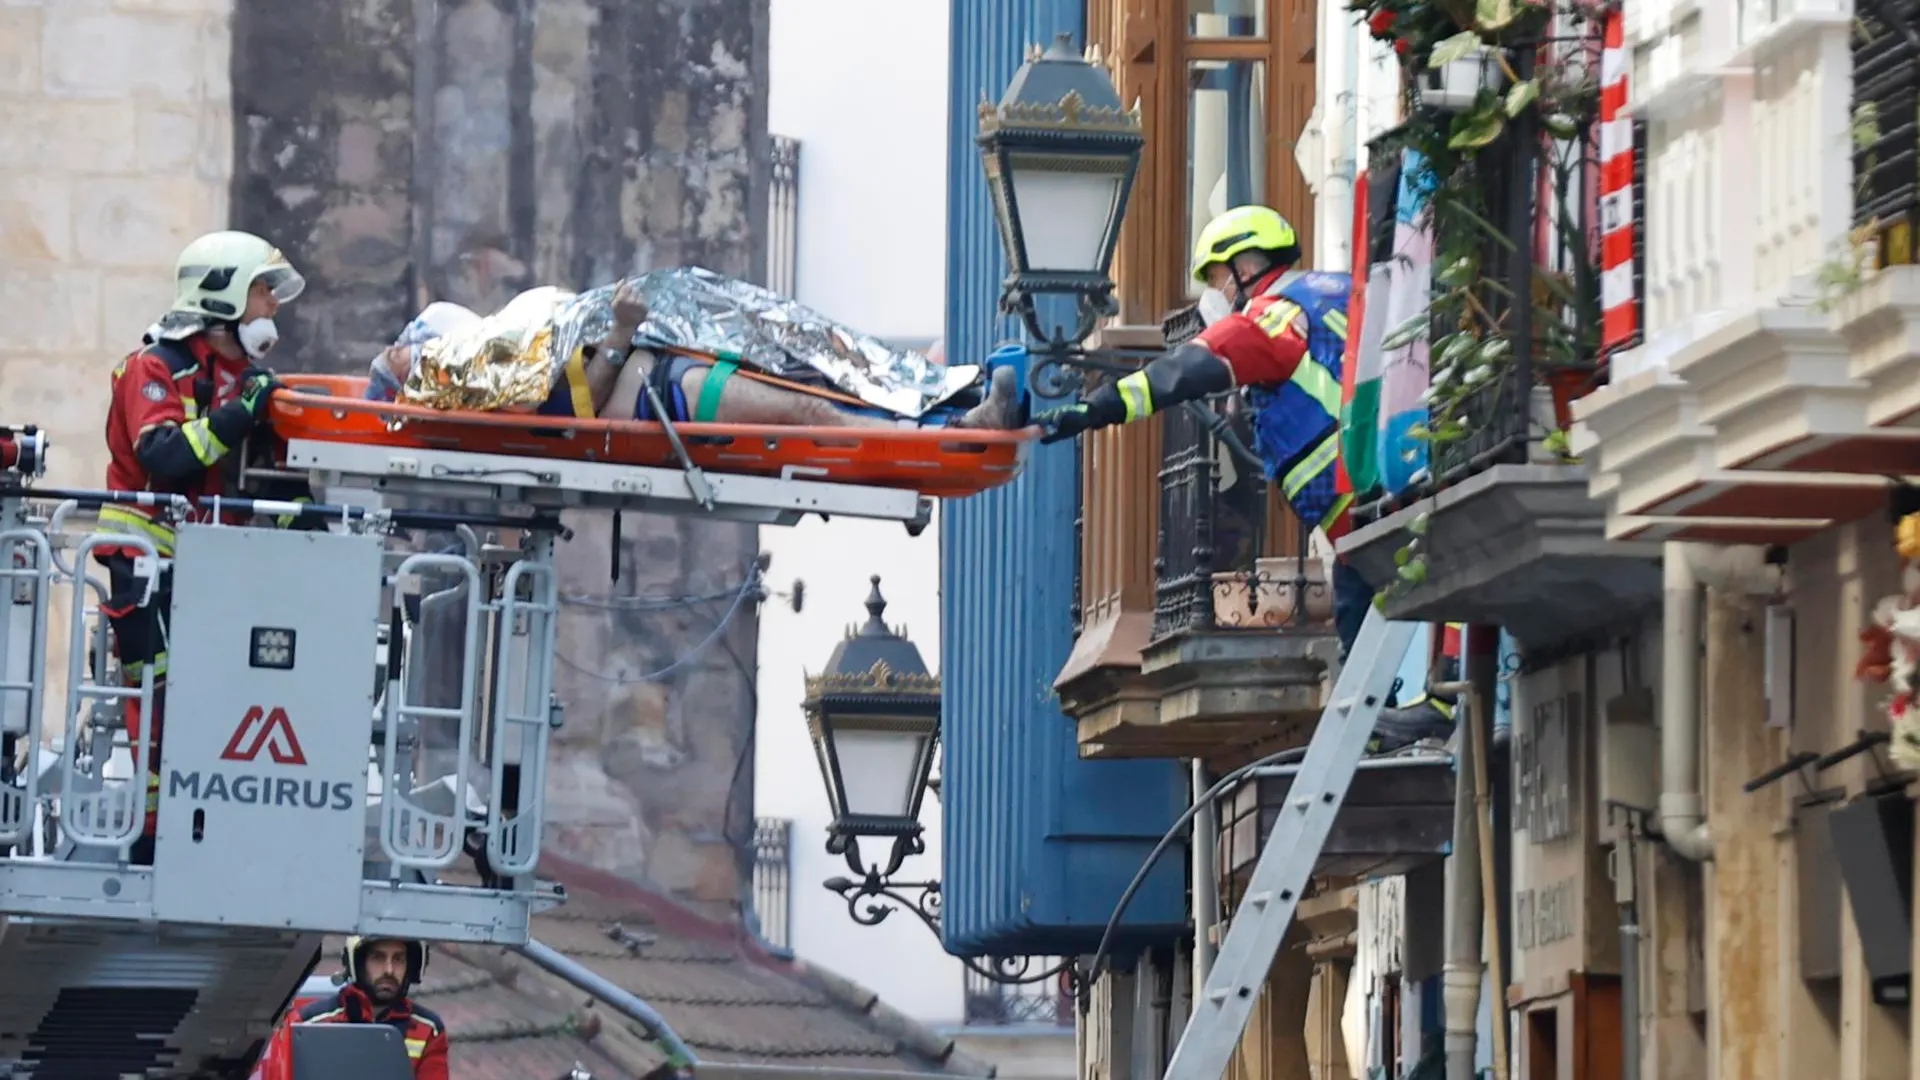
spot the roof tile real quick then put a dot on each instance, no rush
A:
(727, 1003)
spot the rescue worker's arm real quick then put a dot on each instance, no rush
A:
(1238, 350)
(172, 448)
(433, 1060)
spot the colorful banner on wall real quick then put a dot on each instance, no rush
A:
(1619, 302)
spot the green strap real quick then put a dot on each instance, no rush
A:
(717, 377)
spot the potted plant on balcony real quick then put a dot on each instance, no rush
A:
(1545, 53)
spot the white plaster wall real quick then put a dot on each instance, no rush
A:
(863, 85)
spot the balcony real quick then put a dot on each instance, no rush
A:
(1500, 525)
(1779, 404)
(1239, 647)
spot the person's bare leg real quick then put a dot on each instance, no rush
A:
(749, 401)
(630, 381)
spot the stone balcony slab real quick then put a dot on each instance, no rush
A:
(1518, 546)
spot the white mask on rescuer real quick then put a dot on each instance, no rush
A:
(258, 336)
(1214, 306)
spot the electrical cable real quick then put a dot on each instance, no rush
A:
(747, 588)
(1183, 824)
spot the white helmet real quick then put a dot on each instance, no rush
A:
(215, 272)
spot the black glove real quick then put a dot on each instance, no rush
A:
(1064, 422)
(257, 387)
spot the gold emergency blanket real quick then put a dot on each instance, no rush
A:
(510, 360)
(506, 362)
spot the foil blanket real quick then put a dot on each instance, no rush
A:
(510, 359)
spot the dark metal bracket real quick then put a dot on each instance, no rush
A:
(1795, 765)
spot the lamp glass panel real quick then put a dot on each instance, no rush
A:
(1065, 215)
(878, 770)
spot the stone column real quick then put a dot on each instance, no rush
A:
(1743, 893)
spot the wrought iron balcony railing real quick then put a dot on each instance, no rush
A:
(1232, 556)
(993, 1004)
(1503, 374)
(1886, 126)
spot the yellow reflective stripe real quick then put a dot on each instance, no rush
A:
(153, 791)
(1339, 507)
(325, 1016)
(1137, 395)
(576, 376)
(1312, 465)
(126, 519)
(286, 521)
(1337, 322)
(207, 447)
(1313, 377)
(416, 1047)
(1278, 317)
(133, 670)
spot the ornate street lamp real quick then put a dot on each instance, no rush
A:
(1060, 152)
(874, 718)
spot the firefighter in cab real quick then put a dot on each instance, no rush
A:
(379, 974)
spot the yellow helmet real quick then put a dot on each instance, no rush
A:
(1243, 228)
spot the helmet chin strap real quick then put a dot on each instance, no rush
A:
(1243, 286)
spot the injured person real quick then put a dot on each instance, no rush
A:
(687, 344)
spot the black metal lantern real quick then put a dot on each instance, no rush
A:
(1060, 153)
(874, 717)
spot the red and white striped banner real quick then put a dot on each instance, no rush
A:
(1619, 312)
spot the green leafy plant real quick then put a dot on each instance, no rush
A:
(1470, 314)
(1471, 309)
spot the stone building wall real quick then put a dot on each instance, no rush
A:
(114, 158)
(402, 151)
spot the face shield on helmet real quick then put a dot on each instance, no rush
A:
(282, 280)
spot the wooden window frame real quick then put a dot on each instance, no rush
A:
(1151, 51)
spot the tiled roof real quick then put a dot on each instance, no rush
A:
(509, 1019)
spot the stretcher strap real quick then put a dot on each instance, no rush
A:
(713, 359)
(709, 403)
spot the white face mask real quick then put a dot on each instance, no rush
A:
(258, 336)
(1214, 306)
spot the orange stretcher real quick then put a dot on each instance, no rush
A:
(940, 462)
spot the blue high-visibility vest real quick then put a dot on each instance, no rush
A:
(1296, 425)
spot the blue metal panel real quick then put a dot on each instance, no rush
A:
(1039, 845)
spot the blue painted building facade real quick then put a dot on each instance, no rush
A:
(1038, 844)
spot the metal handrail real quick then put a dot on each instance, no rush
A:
(522, 715)
(410, 834)
(17, 803)
(106, 816)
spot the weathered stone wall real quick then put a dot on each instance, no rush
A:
(403, 151)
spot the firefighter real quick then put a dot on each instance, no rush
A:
(1277, 334)
(179, 408)
(379, 974)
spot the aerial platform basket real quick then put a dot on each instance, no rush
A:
(936, 462)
